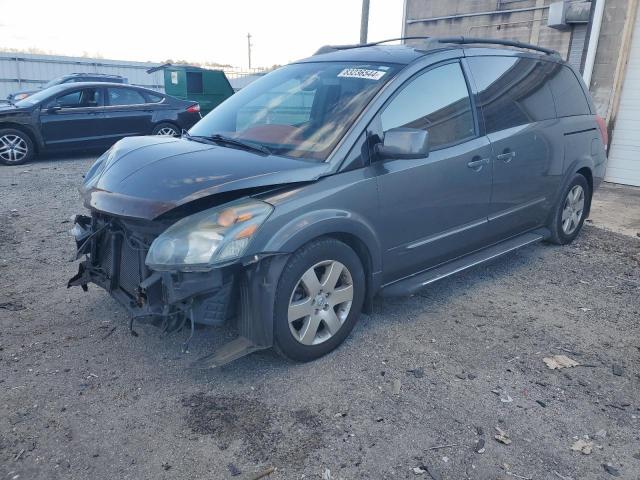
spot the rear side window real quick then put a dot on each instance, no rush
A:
(568, 93)
(437, 101)
(154, 98)
(512, 91)
(124, 96)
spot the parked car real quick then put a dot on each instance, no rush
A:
(70, 78)
(355, 172)
(83, 116)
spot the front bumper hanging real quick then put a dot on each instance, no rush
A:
(114, 259)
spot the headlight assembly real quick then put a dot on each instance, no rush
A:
(217, 235)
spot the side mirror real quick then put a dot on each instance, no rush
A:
(54, 109)
(404, 143)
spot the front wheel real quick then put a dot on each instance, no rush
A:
(318, 299)
(571, 211)
(16, 147)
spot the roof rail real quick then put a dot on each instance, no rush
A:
(495, 41)
(458, 40)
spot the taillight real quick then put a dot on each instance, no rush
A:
(603, 131)
(194, 108)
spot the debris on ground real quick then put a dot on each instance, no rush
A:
(561, 477)
(610, 469)
(559, 361)
(396, 387)
(601, 433)
(418, 470)
(541, 403)
(583, 446)
(166, 466)
(432, 472)
(270, 470)
(233, 470)
(416, 372)
(502, 436)
(438, 447)
(618, 370)
(12, 306)
(479, 448)
(326, 475)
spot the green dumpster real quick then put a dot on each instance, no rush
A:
(207, 87)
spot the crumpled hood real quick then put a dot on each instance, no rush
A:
(145, 177)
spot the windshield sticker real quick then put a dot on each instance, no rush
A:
(361, 73)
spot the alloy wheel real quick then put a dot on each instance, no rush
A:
(320, 302)
(167, 131)
(573, 210)
(13, 148)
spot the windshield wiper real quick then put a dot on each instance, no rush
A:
(223, 139)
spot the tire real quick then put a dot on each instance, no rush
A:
(295, 338)
(16, 147)
(571, 211)
(166, 127)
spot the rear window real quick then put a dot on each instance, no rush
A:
(512, 90)
(568, 93)
(124, 96)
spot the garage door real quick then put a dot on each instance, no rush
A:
(624, 154)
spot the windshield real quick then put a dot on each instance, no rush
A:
(51, 83)
(301, 110)
(40, 96)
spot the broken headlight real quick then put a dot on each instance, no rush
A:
(212, 236)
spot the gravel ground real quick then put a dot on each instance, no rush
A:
(81, 398)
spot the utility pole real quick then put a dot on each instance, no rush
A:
(249, 48)
(364, 22)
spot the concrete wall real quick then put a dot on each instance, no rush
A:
(526, 26)
(609, 47)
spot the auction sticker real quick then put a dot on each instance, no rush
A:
(361, 73)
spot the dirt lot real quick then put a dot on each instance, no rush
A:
(81, 398)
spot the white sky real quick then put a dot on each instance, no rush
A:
(199, 30)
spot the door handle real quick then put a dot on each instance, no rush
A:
(506, 157)
(478, 164)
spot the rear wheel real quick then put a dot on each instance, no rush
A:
(571, 211)
(166, 129)
(15, 147)
(318, 299)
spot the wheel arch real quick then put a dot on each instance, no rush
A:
(35, 139)
(347, 227)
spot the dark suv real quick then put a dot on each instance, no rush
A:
(70, 78)
(361, 170)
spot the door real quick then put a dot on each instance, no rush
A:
(74, 120)
(520, 121)
(435, 208)
(127, 113)
(624, 155)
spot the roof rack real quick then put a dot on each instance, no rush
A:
(495, 41)
(458, 40)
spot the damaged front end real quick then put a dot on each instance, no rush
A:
(172, 297)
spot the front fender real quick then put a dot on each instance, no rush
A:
(319, 223)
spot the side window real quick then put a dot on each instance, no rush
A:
(512, 91)
(194, 82)
(437, 101)
(124, 96)
(88, 97)
(568, 93)
(154, 98)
